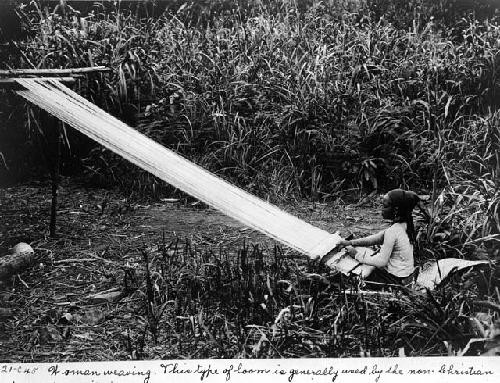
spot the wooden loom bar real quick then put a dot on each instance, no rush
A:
(51, 72)
(105, 1)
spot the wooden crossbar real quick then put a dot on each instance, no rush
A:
(52, 72)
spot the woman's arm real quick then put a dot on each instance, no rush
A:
(381, 259)
(375, 239)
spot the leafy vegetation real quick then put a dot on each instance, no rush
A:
(297, 100)
(320, 95)
(212, 295)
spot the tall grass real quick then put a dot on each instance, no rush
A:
(202, 303)
(322, 97)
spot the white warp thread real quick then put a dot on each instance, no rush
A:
(258, 214)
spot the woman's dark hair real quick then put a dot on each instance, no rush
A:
(402, 204)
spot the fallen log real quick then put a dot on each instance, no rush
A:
(21, 258)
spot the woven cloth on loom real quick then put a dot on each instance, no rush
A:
(69, 107)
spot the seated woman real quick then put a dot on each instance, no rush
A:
(394, 263)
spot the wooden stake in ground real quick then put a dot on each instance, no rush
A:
(54, 176)
(49, 138)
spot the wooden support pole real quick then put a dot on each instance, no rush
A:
(54, 176)
(49, 137)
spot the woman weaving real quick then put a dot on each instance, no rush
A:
(393, 263)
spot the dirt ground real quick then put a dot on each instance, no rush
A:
(101, 233)
(25, 212)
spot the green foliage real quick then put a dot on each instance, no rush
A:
(234, 304)
(465, 215)
(328, 98)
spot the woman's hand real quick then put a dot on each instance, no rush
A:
(351, 251)
(344, 243)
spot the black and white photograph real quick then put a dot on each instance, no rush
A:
(250, 180)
